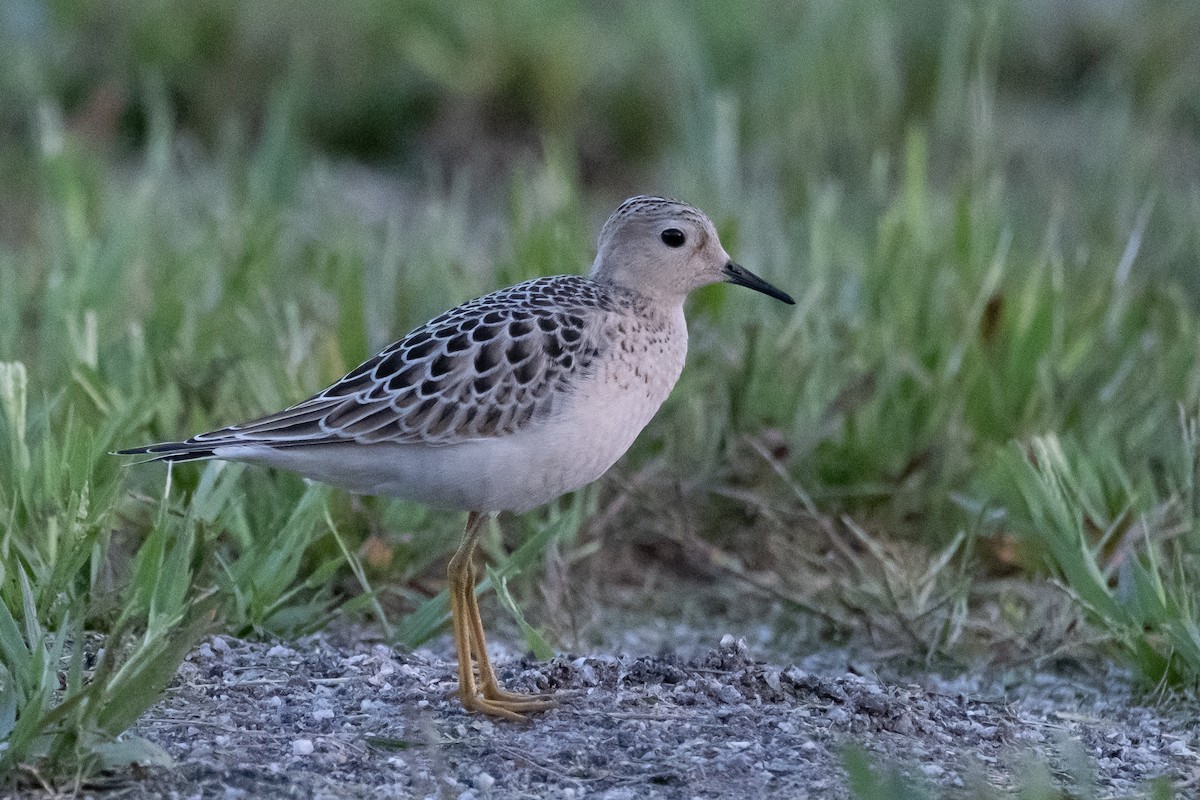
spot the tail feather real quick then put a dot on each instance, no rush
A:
(174, 452)
(192, 450)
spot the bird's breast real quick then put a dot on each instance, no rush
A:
(642, 362)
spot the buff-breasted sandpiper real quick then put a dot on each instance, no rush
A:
(506, 401)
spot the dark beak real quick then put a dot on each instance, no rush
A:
(735, 273)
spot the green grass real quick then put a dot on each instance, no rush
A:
(985, 211)
(870, 781)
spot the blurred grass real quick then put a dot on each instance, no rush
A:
(870, 781)
(985, 210)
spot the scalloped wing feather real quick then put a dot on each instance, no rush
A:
(487, 368)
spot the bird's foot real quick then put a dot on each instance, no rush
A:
(511, 706)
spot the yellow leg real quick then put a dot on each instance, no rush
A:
(469, 640)
(490, 687)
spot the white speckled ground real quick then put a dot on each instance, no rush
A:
(316, 719)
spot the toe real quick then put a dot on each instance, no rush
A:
(494, 709)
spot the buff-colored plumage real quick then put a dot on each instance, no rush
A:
(511, 399)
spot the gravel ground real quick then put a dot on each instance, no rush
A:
(326, 719)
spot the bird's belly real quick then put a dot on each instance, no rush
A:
(508, 473)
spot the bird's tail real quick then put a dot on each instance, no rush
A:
(174, 452)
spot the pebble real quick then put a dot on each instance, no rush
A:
(797, 675)
(721, 711)
(587, 675)
(729, 694)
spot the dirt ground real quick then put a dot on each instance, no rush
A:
(337, 717)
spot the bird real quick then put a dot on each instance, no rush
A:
(505, 402)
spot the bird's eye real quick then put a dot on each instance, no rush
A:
(673, 237)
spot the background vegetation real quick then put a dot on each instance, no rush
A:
(986, 210)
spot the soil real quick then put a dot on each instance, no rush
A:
(332, 717)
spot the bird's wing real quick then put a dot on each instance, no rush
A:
(485, 369)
